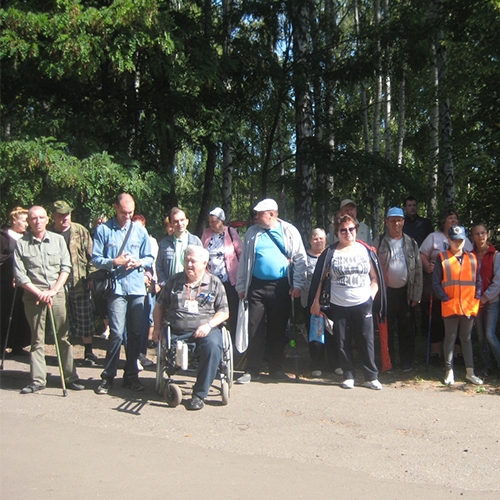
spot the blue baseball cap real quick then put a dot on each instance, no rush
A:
(456, 233)
(395, 212)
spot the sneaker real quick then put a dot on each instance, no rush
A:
(90, 359)
(373, 384)
(105, 334)
(339, 371)
(105, 386)
(473, 379)
(247, 377)
(348, 383)
(76, 385)
(133, 384)
(139, 366)
(279, 376)
(449, 378)
(316, 373)
(144, 360)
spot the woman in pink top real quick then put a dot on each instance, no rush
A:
(224, 246)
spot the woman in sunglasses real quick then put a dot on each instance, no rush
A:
(355, 281)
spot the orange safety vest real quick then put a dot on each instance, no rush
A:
(459, 283)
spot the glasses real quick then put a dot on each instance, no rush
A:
(351, 229)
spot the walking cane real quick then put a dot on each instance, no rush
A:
(8, 328)
(428, 357)
(58, 352)
(293, 340)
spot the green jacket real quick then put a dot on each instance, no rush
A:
(80, 250)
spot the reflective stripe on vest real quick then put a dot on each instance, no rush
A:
(459, 283)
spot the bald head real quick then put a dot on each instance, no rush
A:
(37, 220)
(124, 206)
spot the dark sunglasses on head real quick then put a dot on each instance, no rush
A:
(350, 229)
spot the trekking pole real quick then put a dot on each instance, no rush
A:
(293, 340)
(58, 352)
(428, 356)
(8, 328)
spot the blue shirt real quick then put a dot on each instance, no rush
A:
(108, 240)
(270, 263)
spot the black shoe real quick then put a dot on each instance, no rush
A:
(279, 376)
(105, 386)
(75, 386)
(29, 389)
(151, 344)
(406, 367)
(133, 384)
(195, 403)
(90, 359)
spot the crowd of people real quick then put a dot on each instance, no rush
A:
(348, 288)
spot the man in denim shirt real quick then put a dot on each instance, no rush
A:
(125, 305)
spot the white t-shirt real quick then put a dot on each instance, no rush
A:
(350, 276)
(436, 243)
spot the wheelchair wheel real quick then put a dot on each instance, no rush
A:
(228, 355)
(172, 395)
(160, 368)
(224, 391)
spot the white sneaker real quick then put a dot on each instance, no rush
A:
(339, 371)
(348, 383)
(449, 378)
(374, 384)
(105, 334)
(474, 380)
(139, 366)
(316, 373)
(144, 360)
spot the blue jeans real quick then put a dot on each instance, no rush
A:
(147, 321)
(486, 325)
(125, 313)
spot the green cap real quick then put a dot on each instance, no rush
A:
(61, 207)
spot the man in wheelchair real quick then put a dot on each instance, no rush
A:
(194, 304)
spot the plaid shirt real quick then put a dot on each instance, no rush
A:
(209, 294)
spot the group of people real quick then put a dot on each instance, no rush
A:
(197, 284)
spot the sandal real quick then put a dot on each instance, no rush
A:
(30, 389)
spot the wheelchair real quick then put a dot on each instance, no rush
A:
(172, 357)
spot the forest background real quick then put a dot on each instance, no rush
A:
(199, 103)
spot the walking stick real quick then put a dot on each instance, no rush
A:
(8, 328)
(293, 340)
(428, 357)
(58, 352)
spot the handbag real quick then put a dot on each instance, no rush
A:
(324, 296)
(241, 335)
(102, 282)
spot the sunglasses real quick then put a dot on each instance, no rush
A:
(351, 229)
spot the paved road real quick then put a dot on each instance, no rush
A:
(275, 441)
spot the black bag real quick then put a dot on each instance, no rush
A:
(324, 296)
(102, 284)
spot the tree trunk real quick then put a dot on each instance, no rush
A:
(208, 187)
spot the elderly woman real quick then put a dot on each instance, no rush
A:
(224, 246)
(355, 276)
(488, 261)
(455, 284)
(11, 298)
(431, 247)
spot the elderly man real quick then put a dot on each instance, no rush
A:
(402, 269)
(42, 265)
(415, 226)
(272, 268)
(79, 244)
(123, 247)
(194, 303)
(173, 247)
(348, 207)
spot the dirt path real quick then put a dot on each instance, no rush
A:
(415, 438)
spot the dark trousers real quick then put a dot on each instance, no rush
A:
(269, 306)
(323, 356)
(398, 323)
(232, 302)
(209, 353)
(355, 323)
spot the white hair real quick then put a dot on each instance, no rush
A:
(199, 251)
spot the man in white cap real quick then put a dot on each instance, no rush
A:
(224, 246)
(348, 207)
(402, 268)
(272, 270)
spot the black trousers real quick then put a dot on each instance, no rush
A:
(269, 306)
(399, 324)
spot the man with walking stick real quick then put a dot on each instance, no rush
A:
(41, 266)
